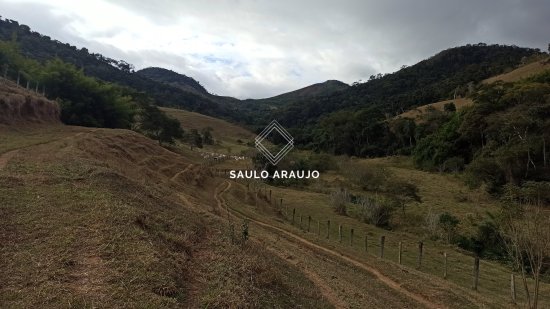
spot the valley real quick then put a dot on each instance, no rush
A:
(427, 187)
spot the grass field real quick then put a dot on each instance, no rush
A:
(232, 138)
(416, 113)
(522, 72)
(494, 278)
(103, 218)
(108, 218)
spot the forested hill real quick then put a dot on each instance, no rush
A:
(41, 47)
(174, 79)
(452, 71)
(316, 90)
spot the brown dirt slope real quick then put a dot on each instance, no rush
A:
(18, 105)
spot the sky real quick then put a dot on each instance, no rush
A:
(261, 48)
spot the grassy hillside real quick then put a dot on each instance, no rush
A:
(417, 112)
(524, 71)
(105, 218)
(108, 218)
(230, 137)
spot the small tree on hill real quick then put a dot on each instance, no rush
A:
(448, 223)
(157, 125)
(526, 233)
(207, 136)
(449, 107)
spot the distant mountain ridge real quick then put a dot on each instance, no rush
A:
(440, 77)
(320, 89)
(172, 78)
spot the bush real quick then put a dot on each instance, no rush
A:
(321, 162)
(375, 211)
(155, 124)
(448, 224)
(339, 201)
(449, 107)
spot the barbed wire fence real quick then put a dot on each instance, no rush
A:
(21, 79)
(462, 268)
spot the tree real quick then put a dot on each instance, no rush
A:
(448, 223)
(157, 125)
(449, 107)
(207, 136)
(526, 234)
(195, 138)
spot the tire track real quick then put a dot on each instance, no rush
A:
(383, 278)
(182, 172)
(323, 287)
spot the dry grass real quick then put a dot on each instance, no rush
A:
(419, 111)
(522, 72)
(222, 129)
(439, 192)
(18, 105)
(91, 218)
(227, 133)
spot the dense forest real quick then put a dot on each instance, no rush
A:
(85, 100)
(353, 122)
(43, 48)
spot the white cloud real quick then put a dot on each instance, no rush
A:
(262, 48)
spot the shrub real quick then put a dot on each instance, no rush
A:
(375, 211)
(448, 224)
(339, 201)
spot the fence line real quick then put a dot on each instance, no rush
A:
(423, 260)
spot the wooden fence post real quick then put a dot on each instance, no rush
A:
(366, 243)
(399, 255)
(269, 195)
(351, 238)
(18, 77)
(513, 288)
(382, 241)
(420, 253)
(293, 215)
(476, 272)
(308, 223)
(445, 265)
(340, 233)
(300, 221)
(281, 204)
(328, 229)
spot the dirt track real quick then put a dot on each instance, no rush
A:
(298, 241)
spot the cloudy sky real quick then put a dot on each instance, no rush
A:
(260, 48)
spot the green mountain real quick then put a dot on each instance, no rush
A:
(320, 89)
(174, 79)
(448, 73)
(42, 48)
